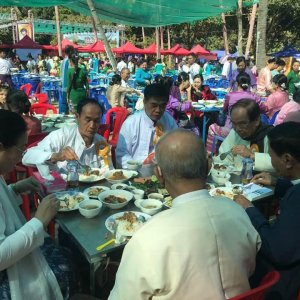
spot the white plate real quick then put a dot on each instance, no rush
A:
(86, 191)
(113, 218)
(61, 195)
(92, 178)
(126, 173)
(227, 192)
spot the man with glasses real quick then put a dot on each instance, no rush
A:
(192, 68)
(141, 130)
(77, 142)
(204, 247)
(248, 137)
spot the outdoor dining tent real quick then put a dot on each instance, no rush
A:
(203, 53)
(181, 52)
(151, 50)
(128, 48)
(171, 50)
(27, 46)
(97, 47)
(288, 51)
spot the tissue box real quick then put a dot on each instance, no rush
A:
(58, 184)
(254, 191)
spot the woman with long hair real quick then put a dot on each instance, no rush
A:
(199, 91)
(77, 84)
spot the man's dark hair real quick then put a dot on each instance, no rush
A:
(251, 107)
(69, 50)
(285, 138)
(12, 126)
(157, 91)
(85, 101)
(296, 96)
(18, 101)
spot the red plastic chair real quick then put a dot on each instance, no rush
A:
(259, 292)
(42, 108)
(120, 115)
(104, 130)
(26, 88)
(42, 98)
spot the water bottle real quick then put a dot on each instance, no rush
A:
(247, 174)
(73, 177)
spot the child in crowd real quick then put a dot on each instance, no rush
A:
(4, 89)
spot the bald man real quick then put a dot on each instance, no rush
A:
(202, 248)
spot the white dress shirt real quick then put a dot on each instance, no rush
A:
(5, 66)
(136, 136)
(59, 139)
(121, 65)
(202, 248)
(192, 70)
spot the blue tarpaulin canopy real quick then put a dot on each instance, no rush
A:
(288, 51)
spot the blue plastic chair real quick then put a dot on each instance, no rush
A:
(105, 106)
(214, 144)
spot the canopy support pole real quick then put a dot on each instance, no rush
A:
(169, 44)
(58, 30)
(157, 42)
(251, 27)
(94, 29)
(226, 48)
(102, 35)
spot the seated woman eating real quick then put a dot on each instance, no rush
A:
(200, 91)
(25, 272)
(248, 137)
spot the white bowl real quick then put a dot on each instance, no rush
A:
(220, 180)
(133, 165)
(138, 194)
(150, 206)
(90, 208)
(127, 175)
(156, 196)
(119, 186)
(118, 193)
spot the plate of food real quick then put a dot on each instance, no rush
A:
(118, 176)
(115, 199)
(127, 222)
(70, 200)
(95, 174)
(228, 192)
(94, 191)
(123, 186)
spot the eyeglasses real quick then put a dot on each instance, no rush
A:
(241, 125)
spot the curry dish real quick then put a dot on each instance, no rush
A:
(118, 175)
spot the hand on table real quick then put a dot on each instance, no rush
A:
(242, 150)
(28, 185)
(47, 209)
(242, 201)
(66, 153)
(263, 178)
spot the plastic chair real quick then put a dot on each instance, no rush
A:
(26, 88)
(104, 130)
(42, 98)
(259, 292)
(120, 115)
(42, 108)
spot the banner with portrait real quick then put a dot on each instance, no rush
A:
(25, 29)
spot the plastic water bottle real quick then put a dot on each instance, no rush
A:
(247, 170)
(73, 177)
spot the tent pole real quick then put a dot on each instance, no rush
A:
(58, 30)
(169, 44)
(94, 29)
(102, 34)
(251, 27)
(239, 15)
(226, 48)
(157, 42)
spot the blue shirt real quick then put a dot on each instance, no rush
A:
(136, 136)
(141, 75)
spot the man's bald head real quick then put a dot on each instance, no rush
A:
(181, 154)
(125, 74)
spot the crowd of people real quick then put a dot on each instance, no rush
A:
(205, 247)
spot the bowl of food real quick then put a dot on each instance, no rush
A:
(119, 186)
(156, 196)
(133, 165)
(138, 194)
(150, 206)
(219, 170)
(94, 191)
(117, 176)
(90, 208)
(221, 180)
(115, 199)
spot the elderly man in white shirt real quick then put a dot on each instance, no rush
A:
(192, 68)
(78, 142)
(141, 130)
(204, 247)
(121, 65)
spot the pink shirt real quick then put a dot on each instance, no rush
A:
(291, 106)
(264, 79)
(275, 102)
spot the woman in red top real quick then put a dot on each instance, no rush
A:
(17, 101)
(199, 91)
